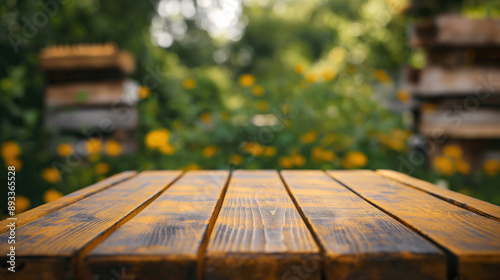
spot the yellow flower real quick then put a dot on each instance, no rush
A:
(452, 151)
(51, 174)
(492, 167)
(297, 160)
(192, 166)
(17, 163)
(336, 55)
(144, 92)
(64, 149)
(309, 137)
(258, 90)
(299, 68)
(247, 80)
(354, 160)
(262, 105)
(209, 151)
(22, 203)
(285, 162)
(382, 76)
(253, 148)
(444, 165)
(236, 159)
(10, 150)
(93, 146)
(269, 151)
(167, 149)
(113, 148)
(189, 83)
(157, 138)
(102, 168)
(51, 195)
(311, 77)
(403, 95)
(205, 117)
(462, 166)
(328, 74)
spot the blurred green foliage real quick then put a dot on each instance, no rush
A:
(319, 72)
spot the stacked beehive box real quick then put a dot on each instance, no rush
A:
(457, 93)
(88, 94)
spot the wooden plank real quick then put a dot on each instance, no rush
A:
(360, 241)
(259, 234)
(53, 246)
(86, 57)
(477, 82)
(164, 240)
(455, 30)
(472, 204)
(96, 93)
(473, 124)
(472, 239)
(71, 198)
(106, 119)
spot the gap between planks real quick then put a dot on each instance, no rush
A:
(206, 237)
(451, 259)
(477, 206)
(46, 209)
(79, 266)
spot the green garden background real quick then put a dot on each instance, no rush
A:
(276, 84)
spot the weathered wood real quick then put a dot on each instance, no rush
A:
(95, 93)
(53, 246)
(55, 205)
(86, 57)
(164, 240)
(455, 30)
(259, 234)
(472, 204)
(474, 82)
(473, 239)
(105, 119)
(360, 241)
(478, 123)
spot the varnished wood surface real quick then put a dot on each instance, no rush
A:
(360, 241)
(259, 233)
(52, 246)
(164, 239)
(66, 200)
(481, 207)
(249, 225)
(472, 239)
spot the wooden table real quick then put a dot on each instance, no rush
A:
(257, 224)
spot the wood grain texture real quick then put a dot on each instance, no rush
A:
(473, 239)
(472, 204)
(163, 241)
(52, 246)
(360, 241)
(259, 234)
(66, 200)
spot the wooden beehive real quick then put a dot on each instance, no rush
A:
(457, 93)
(88, 90)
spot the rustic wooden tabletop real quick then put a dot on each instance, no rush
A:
(256, 224)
